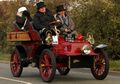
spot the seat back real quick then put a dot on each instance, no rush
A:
(34, 35)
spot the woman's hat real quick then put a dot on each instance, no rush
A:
(60, 8)
(40, 5)
(21, 9)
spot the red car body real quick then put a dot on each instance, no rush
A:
(67, 54)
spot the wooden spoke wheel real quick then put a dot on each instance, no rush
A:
(47, 65)
(15, 64)
(100, 68)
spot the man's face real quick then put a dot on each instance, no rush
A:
(42, 10)
(62, 13)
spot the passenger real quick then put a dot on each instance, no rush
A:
(23, 18)
(67, 24)
(41, 19)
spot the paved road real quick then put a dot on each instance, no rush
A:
(76, 76)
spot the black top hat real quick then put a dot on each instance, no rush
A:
(60, 8)
(40, 5)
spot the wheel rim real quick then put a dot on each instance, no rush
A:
(45, 66)
(99, 65)
(15, 63)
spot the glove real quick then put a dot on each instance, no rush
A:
(58, 21)
(22, 28)
(26, 13)
(67, 30)
(41, 31)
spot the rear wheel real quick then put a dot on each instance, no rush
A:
(64, 70)
(15, 64)
(47, 65)
(100, 68)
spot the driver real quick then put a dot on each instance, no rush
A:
(41, 19)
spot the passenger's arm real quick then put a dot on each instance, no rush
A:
(71, 24)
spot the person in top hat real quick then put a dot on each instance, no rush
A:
(41, 19)
(23, 17)
(67, 24)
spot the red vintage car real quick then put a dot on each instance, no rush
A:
(61, 55)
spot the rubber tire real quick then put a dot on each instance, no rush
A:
(53, 61)
(18, 74)
(64, 72)
(106, 70)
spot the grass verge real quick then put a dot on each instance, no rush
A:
(4, 57)
(115, 65)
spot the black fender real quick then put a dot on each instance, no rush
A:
(21, 51)
(41, 48)
(100, 47)
(23, 55)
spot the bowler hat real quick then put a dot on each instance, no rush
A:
(40, 5)
(60, 8)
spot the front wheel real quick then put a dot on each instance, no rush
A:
(100, 68)
(15, 64)
(47, 65)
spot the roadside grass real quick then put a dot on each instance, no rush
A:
(114, 64)
(4, 57)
